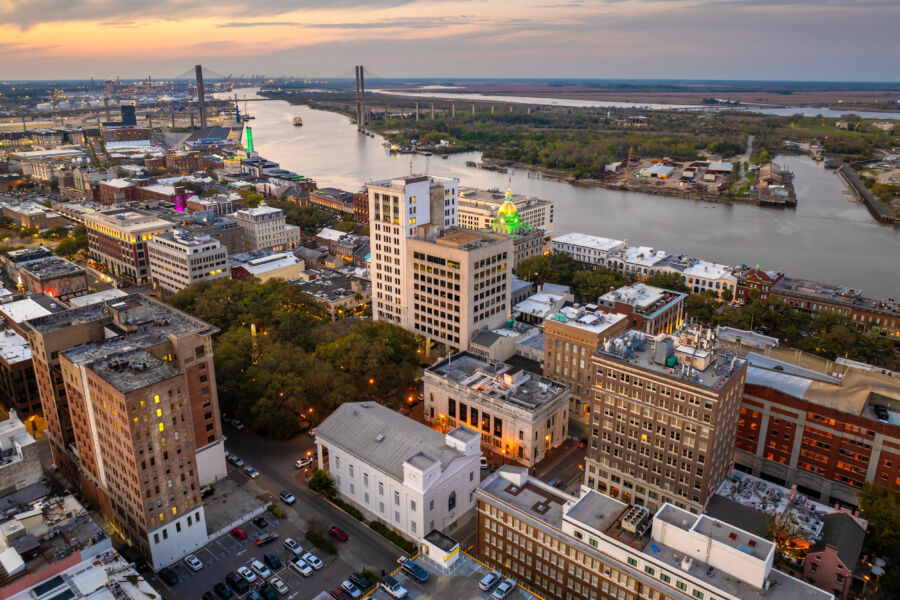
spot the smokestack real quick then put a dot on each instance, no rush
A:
(201, 100)
(362, 93)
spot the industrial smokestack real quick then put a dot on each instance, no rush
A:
(201, 101)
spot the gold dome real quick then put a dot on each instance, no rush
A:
(507, 209)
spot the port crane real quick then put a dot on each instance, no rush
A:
(627, 165)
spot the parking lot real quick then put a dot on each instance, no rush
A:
(226, 554)
(461, 584)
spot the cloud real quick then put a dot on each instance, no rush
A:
(410, 23)
(259, 24)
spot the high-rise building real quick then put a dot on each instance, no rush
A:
(128, 391)
(664, 417)
(178, 259)
(118, 239)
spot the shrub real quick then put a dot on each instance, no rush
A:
(348, 508)
(276, 510)
(320, 542)
(392, 537)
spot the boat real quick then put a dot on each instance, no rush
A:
(298, 121)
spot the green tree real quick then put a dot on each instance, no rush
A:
(556, 268)
(587, 286)
(668, 281)
(321, 483)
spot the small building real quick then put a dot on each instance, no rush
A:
(20, 464)
(749, 279)
(35, 270)
(657, 172)
(520, 415)
(406, 475)
(265, 265)
(649, 309)
(343, 295)
(590, 250)
(548, 301)
(720, 168)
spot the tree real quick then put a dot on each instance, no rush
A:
(587, 286)
(727, 295)
(668, 281)
(556, 268)
(321, 483)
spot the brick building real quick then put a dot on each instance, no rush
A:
(361, 207)
(649, 309)
(118, 239)
(754, 279)
(115, 191)
(664, 417)
(332, 200)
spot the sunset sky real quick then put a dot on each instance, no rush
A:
(703, 39)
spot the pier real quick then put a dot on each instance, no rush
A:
(879, 210)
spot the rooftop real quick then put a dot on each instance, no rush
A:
(53, 266)
(498, 381)
(23, 255)
(127, 219)
(643, 255)
(587, 318)
(589, 241)
(32, 307)
(118, 183)
(689, 354)
(513, 486)
(332, 286)
(466, 239)
(123, 364)
(835, 294)
(709, 270)
(644, 299)
(13, 347)
(491, 200)
(384, 438)
(96, 297)
(257, 261)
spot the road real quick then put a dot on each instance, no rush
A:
(275, 462)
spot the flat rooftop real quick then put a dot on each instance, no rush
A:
(597, 511)
(592, 242)
(32, 307)
(513, 486)
(123, 364)
(644, 299)
(586, 319)
(96, 297)
(466, 239)
(127, 219)
(334, 286)
(499, 381)
(13, 347)
(53, 266)
(695, 362)
(837, 294)
(492, 200)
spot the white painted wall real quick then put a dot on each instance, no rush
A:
(168, 544)
(211, 462)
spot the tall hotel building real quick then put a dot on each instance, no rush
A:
(428, 275)
(664, 417)
(128, 391)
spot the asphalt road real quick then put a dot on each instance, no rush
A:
(275, 461)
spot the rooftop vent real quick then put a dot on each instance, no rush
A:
(379, 437)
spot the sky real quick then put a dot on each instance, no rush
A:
(825, 40)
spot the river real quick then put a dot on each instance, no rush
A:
(827, 238)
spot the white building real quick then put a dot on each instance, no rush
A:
(478, 209)
(265, 227)
(705, 275)
(178, 259)
(394, 469)
(587, 249)
(520, 415)
(396, 208)
(640, 262)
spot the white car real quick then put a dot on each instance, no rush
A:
(278, 585)
(503, 590)
(292, 545)
(260, 569)
(299, 565)
(312, 560)
(247, 574)
(351, 589)
(303, 462)
(193, 562)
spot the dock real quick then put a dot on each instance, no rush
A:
(881, 211)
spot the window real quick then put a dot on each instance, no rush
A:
(681, 585)
(632, 562)
(396, 498)
(380, 488)
(412, 505)
(431, 505)
(665, 578)
(451, 501)
(649, 570)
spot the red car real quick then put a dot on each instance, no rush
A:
(338, 533)
(339, 594)
(239, 533)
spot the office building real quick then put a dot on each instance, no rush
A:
(129, 395)
(664, 417)
(478, 209)
(590, 250)
(649, 309)
(520, 415)
(20, 463)
(116, 191)
(398, 471)
(265, 227)
(596, 547)
(571, 337)
(178, 259)
(825, 427)
(117, 239)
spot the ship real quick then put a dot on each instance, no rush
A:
(298, 121)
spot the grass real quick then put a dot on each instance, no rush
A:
(320, 542)
(392, 537)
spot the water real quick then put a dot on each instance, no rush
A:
(827, 238)
(783, 111)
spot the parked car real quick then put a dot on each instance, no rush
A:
(340, 594)
(287, 497)
(484, 464)
(236, 460)
(360, 580)
(412, 569)
(260, 569)
(881, 412)
(279, 586)
(248, 575)
(303, 462)
(312, 560)
(260, 522)
(272, 560)
(300, 565)
(223, 591)
(208, 596)
(292, 545)
(268, 592)
(239, 533)
(488, 582)
(393, 587)
(338, 533)
(349, 587)
(255, 596)
(503, 590)
(168, 576)
(237, 424)
(193, 563)
(251, 472)
(238, 583)
(266, 538)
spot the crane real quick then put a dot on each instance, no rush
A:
(627, 165)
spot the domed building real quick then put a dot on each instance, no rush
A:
(508, 221)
